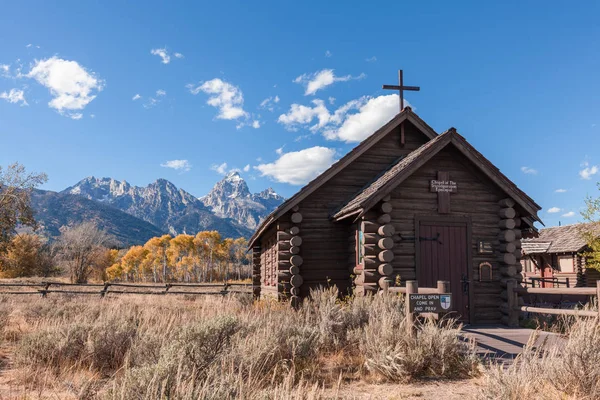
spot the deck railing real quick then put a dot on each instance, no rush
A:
(103, 289)
(513, 291)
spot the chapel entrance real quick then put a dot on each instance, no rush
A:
(444, 255)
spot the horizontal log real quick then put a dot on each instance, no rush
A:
(296, 208)
(283, 276)
(370, 262)
(506, 203)
(295, 291)
(508, 258)
(282, 235)
(371, 250)
(294, 230)
(295, 301)
(506, 224)
(295, 250)
(296, 280)
(507, 247)
(296, 260)
(384, 282)
(507, 213)
(518, 234)
(371, 238)
(385, 243)
(387, 198)
(386, 230)
(517, 222)
(509, 271)
(294, 270)
(506, 236)
(296, 218)
(386, 207)
(385, 269)
(384, 219)
(386, 256)
(295, 241)
(583, 291)
(369, 227)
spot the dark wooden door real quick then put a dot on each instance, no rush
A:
(443, 256)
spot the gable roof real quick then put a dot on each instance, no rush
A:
(403, 168)
(559, 239)
(406, 115)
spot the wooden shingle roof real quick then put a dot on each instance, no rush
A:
(558, 239)
(403, 168)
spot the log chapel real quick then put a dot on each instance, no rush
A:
(406, 204)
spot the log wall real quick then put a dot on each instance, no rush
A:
(478, 198)
(327, 259)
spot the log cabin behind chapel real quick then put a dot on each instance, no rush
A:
(405, 204)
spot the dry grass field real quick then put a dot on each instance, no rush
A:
(147, 347)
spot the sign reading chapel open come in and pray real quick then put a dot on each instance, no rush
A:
(429, 303)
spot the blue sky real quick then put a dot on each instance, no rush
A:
(519, 82)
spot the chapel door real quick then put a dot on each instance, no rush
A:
(444, 257)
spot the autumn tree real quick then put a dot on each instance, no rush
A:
(157, 258)
(79, 246)
(16, 186)
(26, 255)
(591, 231)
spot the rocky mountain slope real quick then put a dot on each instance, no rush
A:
(231, 198)
(160, 203)
(54, 210)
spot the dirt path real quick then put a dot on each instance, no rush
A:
(434, 390)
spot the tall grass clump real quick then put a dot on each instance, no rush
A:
(433, 350)
(224, 348)
(566, 367)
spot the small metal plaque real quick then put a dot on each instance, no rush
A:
(430, 303)
(484, 247)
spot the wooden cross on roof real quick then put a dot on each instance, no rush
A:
(401, 88)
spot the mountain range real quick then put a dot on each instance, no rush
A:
(134, 214)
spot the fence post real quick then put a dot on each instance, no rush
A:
(598, 297)
(513, 302)
(411, 288)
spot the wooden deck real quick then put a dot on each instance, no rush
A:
(500, 343)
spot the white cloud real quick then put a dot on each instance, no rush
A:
(371, 59)
(343, 124)
(247, 168)
(256, 124)
(269, 103)
(588, 171)
(298, 167)
(92, 115)
(569, 214)
(528, 170)
(14, 96)
(71, 85)
(372, 114)
(5, 70)
(183, 165)
(279, 151)
(560, 191)
(220, 169)
(225, 96)
(321, 79)
(75, 115)
(554, 210)
(331, 100)
(161, 92)
(136, 97)
(328, 54)
(178, 55)
(162, 53)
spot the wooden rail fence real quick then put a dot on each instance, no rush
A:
(513, 291)
(102, 289)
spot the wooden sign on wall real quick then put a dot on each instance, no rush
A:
(443, 186)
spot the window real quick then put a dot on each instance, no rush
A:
(565, 264)
(360, 245)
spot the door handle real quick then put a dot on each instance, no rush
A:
(465, 284)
